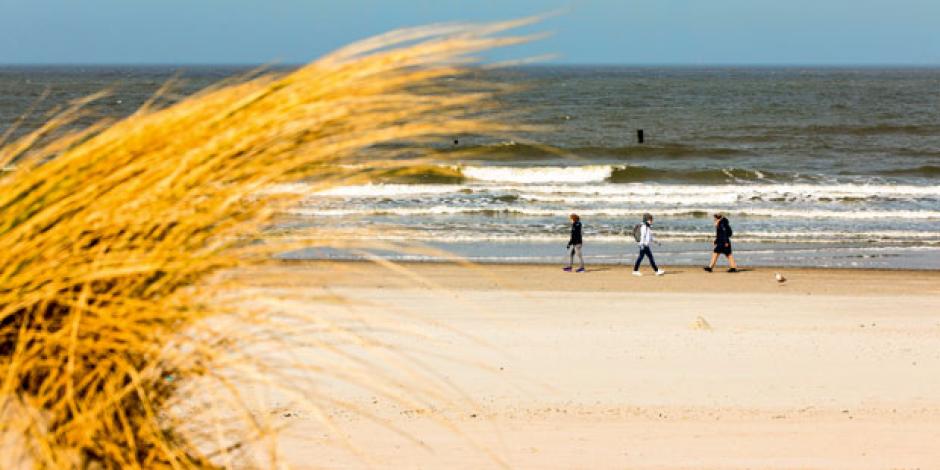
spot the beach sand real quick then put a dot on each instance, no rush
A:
(835, 369)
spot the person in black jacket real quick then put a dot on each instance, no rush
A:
(574, 243)
(723, 234)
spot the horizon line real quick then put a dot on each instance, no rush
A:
(275, 64)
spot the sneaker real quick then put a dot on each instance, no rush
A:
(732, 270)
(567, 269)
(637, 273)
(580, 270)
(660, 272)
(706, 268)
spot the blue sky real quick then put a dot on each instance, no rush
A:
(695, 32)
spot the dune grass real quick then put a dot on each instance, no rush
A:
(111, 234)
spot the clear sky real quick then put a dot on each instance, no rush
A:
(835, 32)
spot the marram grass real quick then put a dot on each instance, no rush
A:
(114, 331)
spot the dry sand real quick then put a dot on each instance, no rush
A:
(836, 369)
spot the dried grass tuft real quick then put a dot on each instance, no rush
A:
(110, 235)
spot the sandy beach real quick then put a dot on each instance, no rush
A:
(331, 235)
(835, 369)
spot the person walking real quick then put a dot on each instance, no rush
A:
(723, 235)
(575, 243)
(646, 239)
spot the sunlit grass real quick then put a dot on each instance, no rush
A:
(117, 345)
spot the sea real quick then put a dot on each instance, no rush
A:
(826, 167)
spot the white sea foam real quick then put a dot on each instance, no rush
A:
(560, 174)
(647, 199)
(810, 190)
(539, 175)
(668, 236)
(622, 212)
(744, 191)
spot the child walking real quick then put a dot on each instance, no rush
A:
(646, 239)
(574, 243)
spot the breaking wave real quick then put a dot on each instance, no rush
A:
(619, 212)
(608, 173)
(515, 151)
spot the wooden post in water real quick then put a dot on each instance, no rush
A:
(639, 136)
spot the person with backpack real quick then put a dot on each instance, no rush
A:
(575, 243)
(723, 235)
(643, 234)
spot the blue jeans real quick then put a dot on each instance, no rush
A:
(645, 251)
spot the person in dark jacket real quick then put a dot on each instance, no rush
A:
(574, 243)
(723, 235)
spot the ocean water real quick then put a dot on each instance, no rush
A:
(812, 166)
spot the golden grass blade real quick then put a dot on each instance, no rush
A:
(112, 233)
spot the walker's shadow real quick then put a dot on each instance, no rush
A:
(725, 270)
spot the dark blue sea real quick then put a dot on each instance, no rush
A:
(813, 166)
